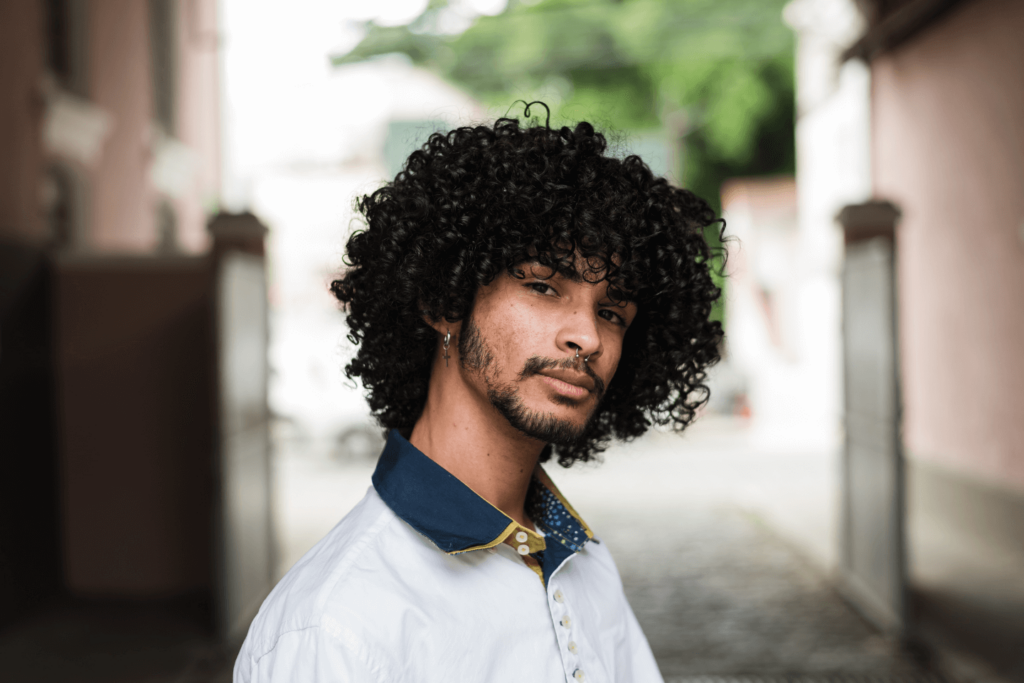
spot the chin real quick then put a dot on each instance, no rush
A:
(574, 404)
(552, 422)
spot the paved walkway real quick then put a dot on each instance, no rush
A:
(718, 593)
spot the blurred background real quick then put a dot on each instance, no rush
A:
(176, 188)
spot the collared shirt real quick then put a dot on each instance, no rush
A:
(424, 581)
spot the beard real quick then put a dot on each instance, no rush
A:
(475, 354)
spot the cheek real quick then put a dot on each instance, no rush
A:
(508, 329)
(612, 356)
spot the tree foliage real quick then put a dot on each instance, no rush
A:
(713, 76)
(715, 73)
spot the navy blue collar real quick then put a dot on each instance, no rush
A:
(456, 519)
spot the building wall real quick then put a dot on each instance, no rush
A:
(80, 178)
(832, 133)
(21, 160)
(119, 193)
(948, 148)
(122, 215)
(765, 319)
(125, 196)
(198, 114)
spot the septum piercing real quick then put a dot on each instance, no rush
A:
(578, 355)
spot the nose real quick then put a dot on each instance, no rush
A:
(579, 335)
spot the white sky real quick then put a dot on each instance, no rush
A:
(301, 140)
(283, 101)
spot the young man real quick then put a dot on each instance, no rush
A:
(516, 296)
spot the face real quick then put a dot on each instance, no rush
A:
(542, 350)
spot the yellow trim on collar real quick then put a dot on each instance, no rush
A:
(513, 525)
(534, 541)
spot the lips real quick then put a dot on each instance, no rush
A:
(569, 377)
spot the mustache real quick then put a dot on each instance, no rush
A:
(535, 364)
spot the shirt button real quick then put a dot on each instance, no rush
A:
(521, 537)
(524, 549)
(565, 621)
(578, 675)
(559, 597)
(572, 646)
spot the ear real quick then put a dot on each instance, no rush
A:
(443, 326)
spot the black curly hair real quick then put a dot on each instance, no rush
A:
(479, 200)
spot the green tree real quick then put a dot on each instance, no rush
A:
(714, 77)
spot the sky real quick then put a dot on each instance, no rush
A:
(302, 139)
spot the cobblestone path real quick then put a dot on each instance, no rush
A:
(718, 594)
(722, 552)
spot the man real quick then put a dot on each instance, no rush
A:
(516, 296)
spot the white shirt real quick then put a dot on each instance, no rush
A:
(419, 583)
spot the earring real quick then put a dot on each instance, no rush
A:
(447, 340)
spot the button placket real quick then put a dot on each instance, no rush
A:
(558, 604)
(564, 624)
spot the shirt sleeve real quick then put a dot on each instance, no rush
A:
(641, 664)
(306, 656)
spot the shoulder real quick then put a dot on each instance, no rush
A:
(362, 599)
(350, 553)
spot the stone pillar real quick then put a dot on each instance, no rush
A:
(872, 565)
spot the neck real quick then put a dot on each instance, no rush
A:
(462, 432)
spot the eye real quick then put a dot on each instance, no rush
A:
(611, 316)
(542, 288)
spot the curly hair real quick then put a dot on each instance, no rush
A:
(479, 200)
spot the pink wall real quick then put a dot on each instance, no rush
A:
(124, 203)
(948, 148)
(198, 115)
(123, 216)
(121, 202)
(21, 159)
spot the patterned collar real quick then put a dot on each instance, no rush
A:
(457, 520)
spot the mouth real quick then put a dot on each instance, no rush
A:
(570, 384)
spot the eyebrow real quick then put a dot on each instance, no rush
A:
(570, 274)
(576, 277)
